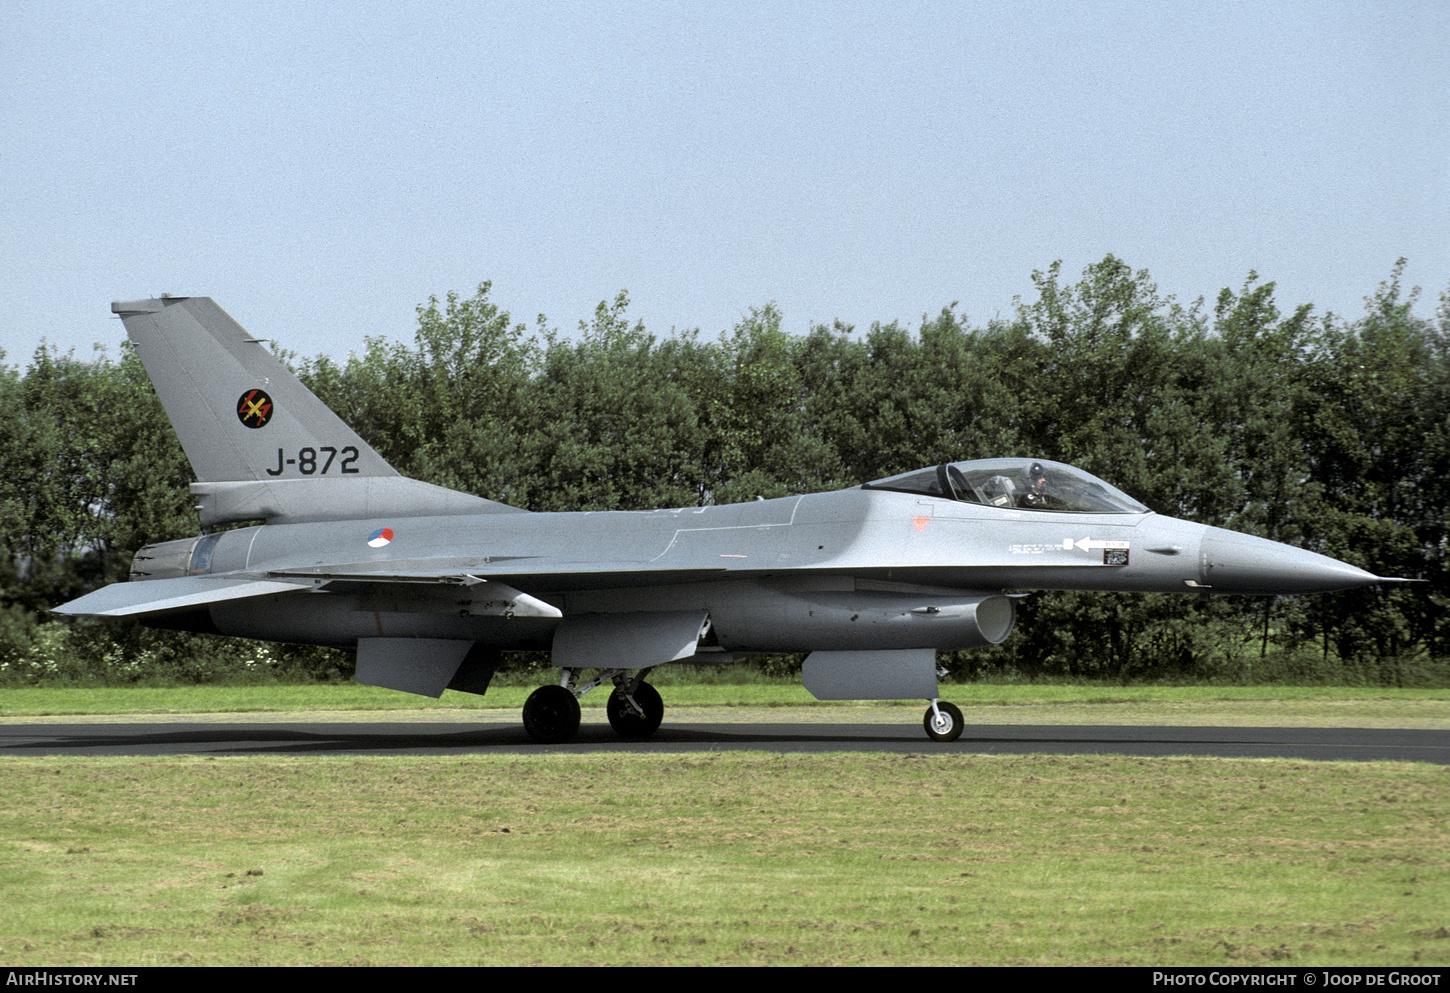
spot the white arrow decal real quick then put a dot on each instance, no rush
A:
(1088, 543)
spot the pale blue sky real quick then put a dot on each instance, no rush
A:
(320, 169)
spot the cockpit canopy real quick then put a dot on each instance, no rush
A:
(1018, 484)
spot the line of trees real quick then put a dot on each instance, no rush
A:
(1310, 429)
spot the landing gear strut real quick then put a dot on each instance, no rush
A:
(943, 722)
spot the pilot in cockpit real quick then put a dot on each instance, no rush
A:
(1035, 489)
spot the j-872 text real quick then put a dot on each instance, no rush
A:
(316, 461)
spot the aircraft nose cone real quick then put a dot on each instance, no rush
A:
(1241, 563)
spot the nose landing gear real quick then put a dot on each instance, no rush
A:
(943, 721)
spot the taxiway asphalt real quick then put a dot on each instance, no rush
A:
(232, 734)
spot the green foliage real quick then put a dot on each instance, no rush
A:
(1308, 429)
(613, 425)
(91, 471)
(90, 654)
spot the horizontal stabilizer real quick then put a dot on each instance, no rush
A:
(157, 596)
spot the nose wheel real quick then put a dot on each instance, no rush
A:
(943, 722)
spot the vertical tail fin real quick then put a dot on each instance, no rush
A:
(239, 413)
(262, 444)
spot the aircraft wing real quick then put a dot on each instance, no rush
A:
(159, 596)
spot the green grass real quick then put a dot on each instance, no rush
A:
(724, 859)
(739, 858)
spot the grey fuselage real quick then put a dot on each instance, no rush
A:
(774, 575)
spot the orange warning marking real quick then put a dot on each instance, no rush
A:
(921, 523)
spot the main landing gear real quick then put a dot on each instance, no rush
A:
(635, 714)
(551, 713)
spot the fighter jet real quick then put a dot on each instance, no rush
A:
(431, 585)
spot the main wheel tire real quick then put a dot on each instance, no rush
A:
(629, 725)
(551, 715)
(946, 727)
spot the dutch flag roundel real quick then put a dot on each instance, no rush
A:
(380, 537)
